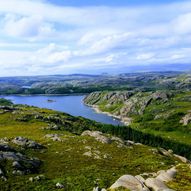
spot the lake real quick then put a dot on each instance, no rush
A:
(69, 104)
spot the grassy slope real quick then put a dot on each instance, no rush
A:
(169, 127)
(64, 161)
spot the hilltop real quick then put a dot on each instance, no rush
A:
(83, 83)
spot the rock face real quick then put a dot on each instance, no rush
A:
(124, 104)
(27, 143)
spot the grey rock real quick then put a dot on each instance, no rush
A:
(129, 182)
(181, 158)
(39, 177)
(59, 185)
(165, 152)
(168, 175)
(27, 143)
(155, 184)
(54, 137)
(140, 178)
(99, 136)
(18, 172)
(186, 119)
(16, 165)
(6, 147)
(1, 172)
(31, 179)
(128, 142)
(10, 156)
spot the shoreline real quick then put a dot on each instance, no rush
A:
(72, 94)
(125, 121)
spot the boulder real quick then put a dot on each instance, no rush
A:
(128, 142)
(54, 137)
(10, 156)
(156, 185)
(186, 119)
(129, 182)
(183, 159)
(4, 140)
(59, 185)
(6, 147)
(168, 175)
(1, 172)
(140, 178)
(165, 152)
(16, 165)
(20, 163)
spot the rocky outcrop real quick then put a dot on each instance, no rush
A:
(110, 97)
(169, 153)
(182, 159)
(54, 137)
(156, 185)
(124, 104)
(166, 176)
(99, 136)
(21, 164)
(27, 143)
(105, 138)
(186, 119)
(138, 183)
(129, 182)
(165, 152)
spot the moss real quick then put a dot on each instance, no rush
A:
(182, 181)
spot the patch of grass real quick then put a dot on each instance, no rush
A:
(182, 181)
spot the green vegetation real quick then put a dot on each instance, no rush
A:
(79, 83)
(182, 180)
(64, 161)
(5, 102)
(156, 117)
(157, 105)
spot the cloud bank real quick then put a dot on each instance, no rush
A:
(42, 38)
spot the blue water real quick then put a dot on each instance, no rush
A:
(69, 104)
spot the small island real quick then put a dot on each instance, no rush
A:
(50, 100)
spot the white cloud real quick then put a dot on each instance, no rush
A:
(36, 35)
(182, 24)
(27, 27)
(145, 56)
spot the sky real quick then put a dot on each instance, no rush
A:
(43, 37)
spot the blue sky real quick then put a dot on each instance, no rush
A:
(109, 2)
(39, 37)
